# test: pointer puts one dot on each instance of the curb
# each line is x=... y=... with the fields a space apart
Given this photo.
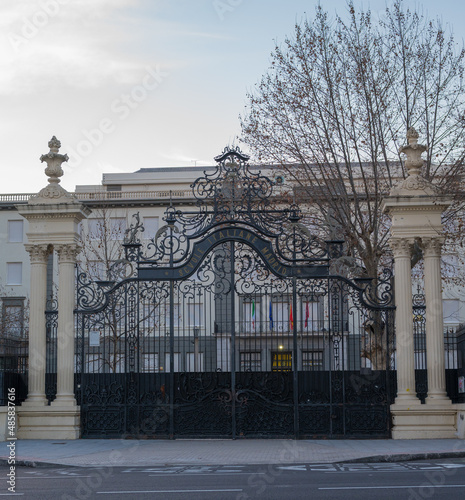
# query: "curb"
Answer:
x=24 y=463
x=371 y=459
x=407 y=457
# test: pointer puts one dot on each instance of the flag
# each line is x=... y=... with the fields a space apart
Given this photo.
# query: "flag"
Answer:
x=271 y=316
x=291 y=317
x=307 y=315
x=253 y=314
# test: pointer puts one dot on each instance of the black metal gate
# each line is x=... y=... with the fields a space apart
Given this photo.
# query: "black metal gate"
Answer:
x=229 y=323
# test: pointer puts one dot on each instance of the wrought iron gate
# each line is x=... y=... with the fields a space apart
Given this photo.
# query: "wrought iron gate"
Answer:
x=229 y=323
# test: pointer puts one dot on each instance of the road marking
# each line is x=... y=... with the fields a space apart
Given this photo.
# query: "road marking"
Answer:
x=49 y=477
x=294 y=467
x=165 y=491
x=209 y=474
x=393 y=487
x=371 y=471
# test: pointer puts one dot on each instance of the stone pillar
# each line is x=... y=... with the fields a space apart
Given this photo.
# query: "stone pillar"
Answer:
x=405 y=360
x=415 y=206
x=53 y=215
x=65 y=333
x=37 y=331
x=435 y=362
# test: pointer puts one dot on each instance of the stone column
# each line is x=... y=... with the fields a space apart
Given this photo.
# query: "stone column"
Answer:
x=415 y=206
x=435 y=362
x=53 y=215
x=405 y=360
x=65 y=333
x=37 y=331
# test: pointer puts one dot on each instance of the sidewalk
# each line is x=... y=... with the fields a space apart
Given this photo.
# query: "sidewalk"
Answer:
x=115 y=452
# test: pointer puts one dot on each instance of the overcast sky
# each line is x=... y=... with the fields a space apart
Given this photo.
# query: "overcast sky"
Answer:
x=126 y=84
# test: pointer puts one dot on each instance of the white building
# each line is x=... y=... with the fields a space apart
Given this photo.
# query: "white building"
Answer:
x=148 y=191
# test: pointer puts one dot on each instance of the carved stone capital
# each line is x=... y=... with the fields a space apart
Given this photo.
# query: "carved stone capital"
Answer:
x=432 y=246
x=401 y=247
x=38 y=253
x=67 y=253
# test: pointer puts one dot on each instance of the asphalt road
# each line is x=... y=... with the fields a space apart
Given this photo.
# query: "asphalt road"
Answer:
x=438 y=479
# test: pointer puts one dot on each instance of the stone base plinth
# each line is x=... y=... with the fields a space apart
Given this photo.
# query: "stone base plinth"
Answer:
x=460 y=421
x=5 y=423
x=49 y=422
x=424 y=421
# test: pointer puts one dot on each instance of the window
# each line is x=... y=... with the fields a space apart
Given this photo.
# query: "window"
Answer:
x=251 y=361
x=15 y=231
x=115 y=363
x=12 y=317
x=193 y=364
x=14 y=273
x=96 y=228
x=450 y=309
x=251 y=316
x=149 y=363
x=150 y=227
x=281 y=361
x=176 y=316
x=93 y=363
x=310 y=312
x=281 y=314
x=97 y=270
x=312 y=360
x=117 y=228
x=449 y=265
x=152 y=316
x=175 y=362
x=194 y=314
x=113 y=228
x=186 y=315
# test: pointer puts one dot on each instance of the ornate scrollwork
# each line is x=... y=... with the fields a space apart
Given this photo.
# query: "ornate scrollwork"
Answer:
x=89 y=295
x=235 y=196
x=218 y=340
x=378 y=292
x=131 y=233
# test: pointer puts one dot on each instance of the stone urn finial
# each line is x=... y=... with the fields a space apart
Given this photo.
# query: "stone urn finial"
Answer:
x=54 y=161
x=415 y=183
x=413 y=151
x=412 y=136
x=54 y=144
x=53 y=193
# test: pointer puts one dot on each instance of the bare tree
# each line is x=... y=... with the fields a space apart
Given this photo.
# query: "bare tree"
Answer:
x=102 y=247
x=334 y=108
x=103 y=259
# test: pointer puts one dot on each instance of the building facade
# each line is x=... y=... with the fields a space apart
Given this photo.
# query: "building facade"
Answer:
x=236 y=311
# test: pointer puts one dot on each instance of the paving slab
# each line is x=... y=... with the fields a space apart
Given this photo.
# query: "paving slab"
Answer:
x=117 y=452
